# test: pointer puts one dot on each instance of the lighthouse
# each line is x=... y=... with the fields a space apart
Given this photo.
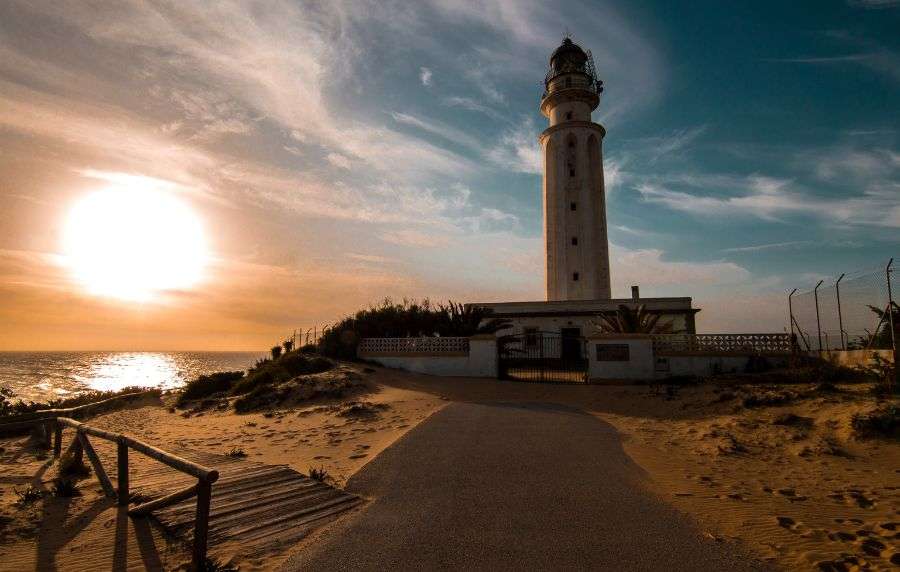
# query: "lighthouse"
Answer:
x=574 y=196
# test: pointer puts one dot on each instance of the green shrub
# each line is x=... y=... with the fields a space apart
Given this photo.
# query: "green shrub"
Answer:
x=28 y=496
x=319 y=474
x=308 y=349
x=207 y=385
x=269 y=375
x=274 y=372
x=407 y=319
x=792 y=420
x=8 y=407
x=65 y=488
x=881 y=422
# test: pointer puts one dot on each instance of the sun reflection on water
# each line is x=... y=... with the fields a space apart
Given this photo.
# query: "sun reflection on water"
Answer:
x=119 y=370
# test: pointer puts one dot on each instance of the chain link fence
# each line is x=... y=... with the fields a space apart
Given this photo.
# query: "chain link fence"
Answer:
x=850 y=312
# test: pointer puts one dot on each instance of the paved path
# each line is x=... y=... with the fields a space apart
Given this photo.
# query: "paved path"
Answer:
x=511 y=486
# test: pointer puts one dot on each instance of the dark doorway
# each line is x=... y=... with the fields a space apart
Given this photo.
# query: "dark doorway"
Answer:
x=572 y=343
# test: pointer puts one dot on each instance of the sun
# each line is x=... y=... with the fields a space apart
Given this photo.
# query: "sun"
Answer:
x=134 y=243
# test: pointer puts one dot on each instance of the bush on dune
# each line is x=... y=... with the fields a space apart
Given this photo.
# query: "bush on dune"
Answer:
x=207 y=385
x=881 y=422
x=407 y=319
x=278 y=371
x=8 y=407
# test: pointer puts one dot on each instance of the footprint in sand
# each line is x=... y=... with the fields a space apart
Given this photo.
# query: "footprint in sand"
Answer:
x=873 y=547
x=359 y=456
x=786 y=522
x=841 y=536
x=320 y=457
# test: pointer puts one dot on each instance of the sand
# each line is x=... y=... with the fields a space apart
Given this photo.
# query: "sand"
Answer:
x=808 y=495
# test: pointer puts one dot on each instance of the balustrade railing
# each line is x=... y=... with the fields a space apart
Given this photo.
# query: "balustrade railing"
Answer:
x=414 y=346
x=736 y=344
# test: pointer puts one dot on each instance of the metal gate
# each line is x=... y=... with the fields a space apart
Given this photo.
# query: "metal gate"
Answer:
x=543 y=357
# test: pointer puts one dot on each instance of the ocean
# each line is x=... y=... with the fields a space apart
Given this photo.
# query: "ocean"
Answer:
x=40 y=376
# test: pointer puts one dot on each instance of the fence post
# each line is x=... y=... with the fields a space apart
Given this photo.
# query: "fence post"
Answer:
x=888 y=269
x=57 y=441
x=837 y=287
x=791 y=309
x=122 y=460
x=201 y=524
x=818 y=323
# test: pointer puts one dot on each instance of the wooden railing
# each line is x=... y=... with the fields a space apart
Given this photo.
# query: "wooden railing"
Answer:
x=413 y=346
x=81 y=445
x=734 y=344
x=52 y=422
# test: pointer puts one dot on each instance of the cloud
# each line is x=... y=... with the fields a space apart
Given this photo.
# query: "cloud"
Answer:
x=442 y=130
x=874 y=4
x=770 y=198
x=338 y=160
x=425 y=76
x=518 y=149
x=471 y=105
x=770 y=246
x=648 y=268
x=664 y=146
x=409 y=237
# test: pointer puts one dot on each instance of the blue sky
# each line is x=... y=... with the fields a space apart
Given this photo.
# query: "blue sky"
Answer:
x=342 y=152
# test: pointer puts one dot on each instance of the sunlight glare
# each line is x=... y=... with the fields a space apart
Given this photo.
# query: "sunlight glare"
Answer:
x=134 y=243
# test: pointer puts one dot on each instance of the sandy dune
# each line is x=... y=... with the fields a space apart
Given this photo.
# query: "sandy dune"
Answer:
x=803 y=493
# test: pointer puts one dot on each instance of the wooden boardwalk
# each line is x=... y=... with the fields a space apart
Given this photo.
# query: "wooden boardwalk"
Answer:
x=263 y=507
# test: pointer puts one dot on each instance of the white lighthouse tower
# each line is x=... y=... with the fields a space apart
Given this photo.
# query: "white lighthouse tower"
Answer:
x=574 y=196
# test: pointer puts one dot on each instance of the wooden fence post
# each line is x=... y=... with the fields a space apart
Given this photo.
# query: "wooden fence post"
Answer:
x=122 y=458
x=201 y=524
x=57 y=441
x=98 y=466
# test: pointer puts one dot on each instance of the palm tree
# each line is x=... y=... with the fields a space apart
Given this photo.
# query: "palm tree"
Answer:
x=462 y=320
x=628 y=320
x=882 y=336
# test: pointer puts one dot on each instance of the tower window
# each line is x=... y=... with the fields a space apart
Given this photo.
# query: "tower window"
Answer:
x=569 y=116
x=573 y=206
x=574 y=241
x=571 y=171
x=571 y=141
x=575 y=276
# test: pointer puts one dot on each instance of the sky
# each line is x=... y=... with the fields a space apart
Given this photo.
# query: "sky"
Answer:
x=337 y=153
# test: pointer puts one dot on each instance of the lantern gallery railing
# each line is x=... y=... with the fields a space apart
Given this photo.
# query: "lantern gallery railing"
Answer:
x=437 y=346
x=731 y=344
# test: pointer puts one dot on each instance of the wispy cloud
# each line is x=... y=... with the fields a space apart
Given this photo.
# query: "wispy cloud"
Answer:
x=770 y=246
x=761 y=198
x=425 y=76
x=440 y=129
x=874 y=4
x=518 y=149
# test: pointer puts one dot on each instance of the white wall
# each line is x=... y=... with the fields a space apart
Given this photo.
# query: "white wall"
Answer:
x=644 y=364
x=481 y=361
x=640 y=364
x=851 y=358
